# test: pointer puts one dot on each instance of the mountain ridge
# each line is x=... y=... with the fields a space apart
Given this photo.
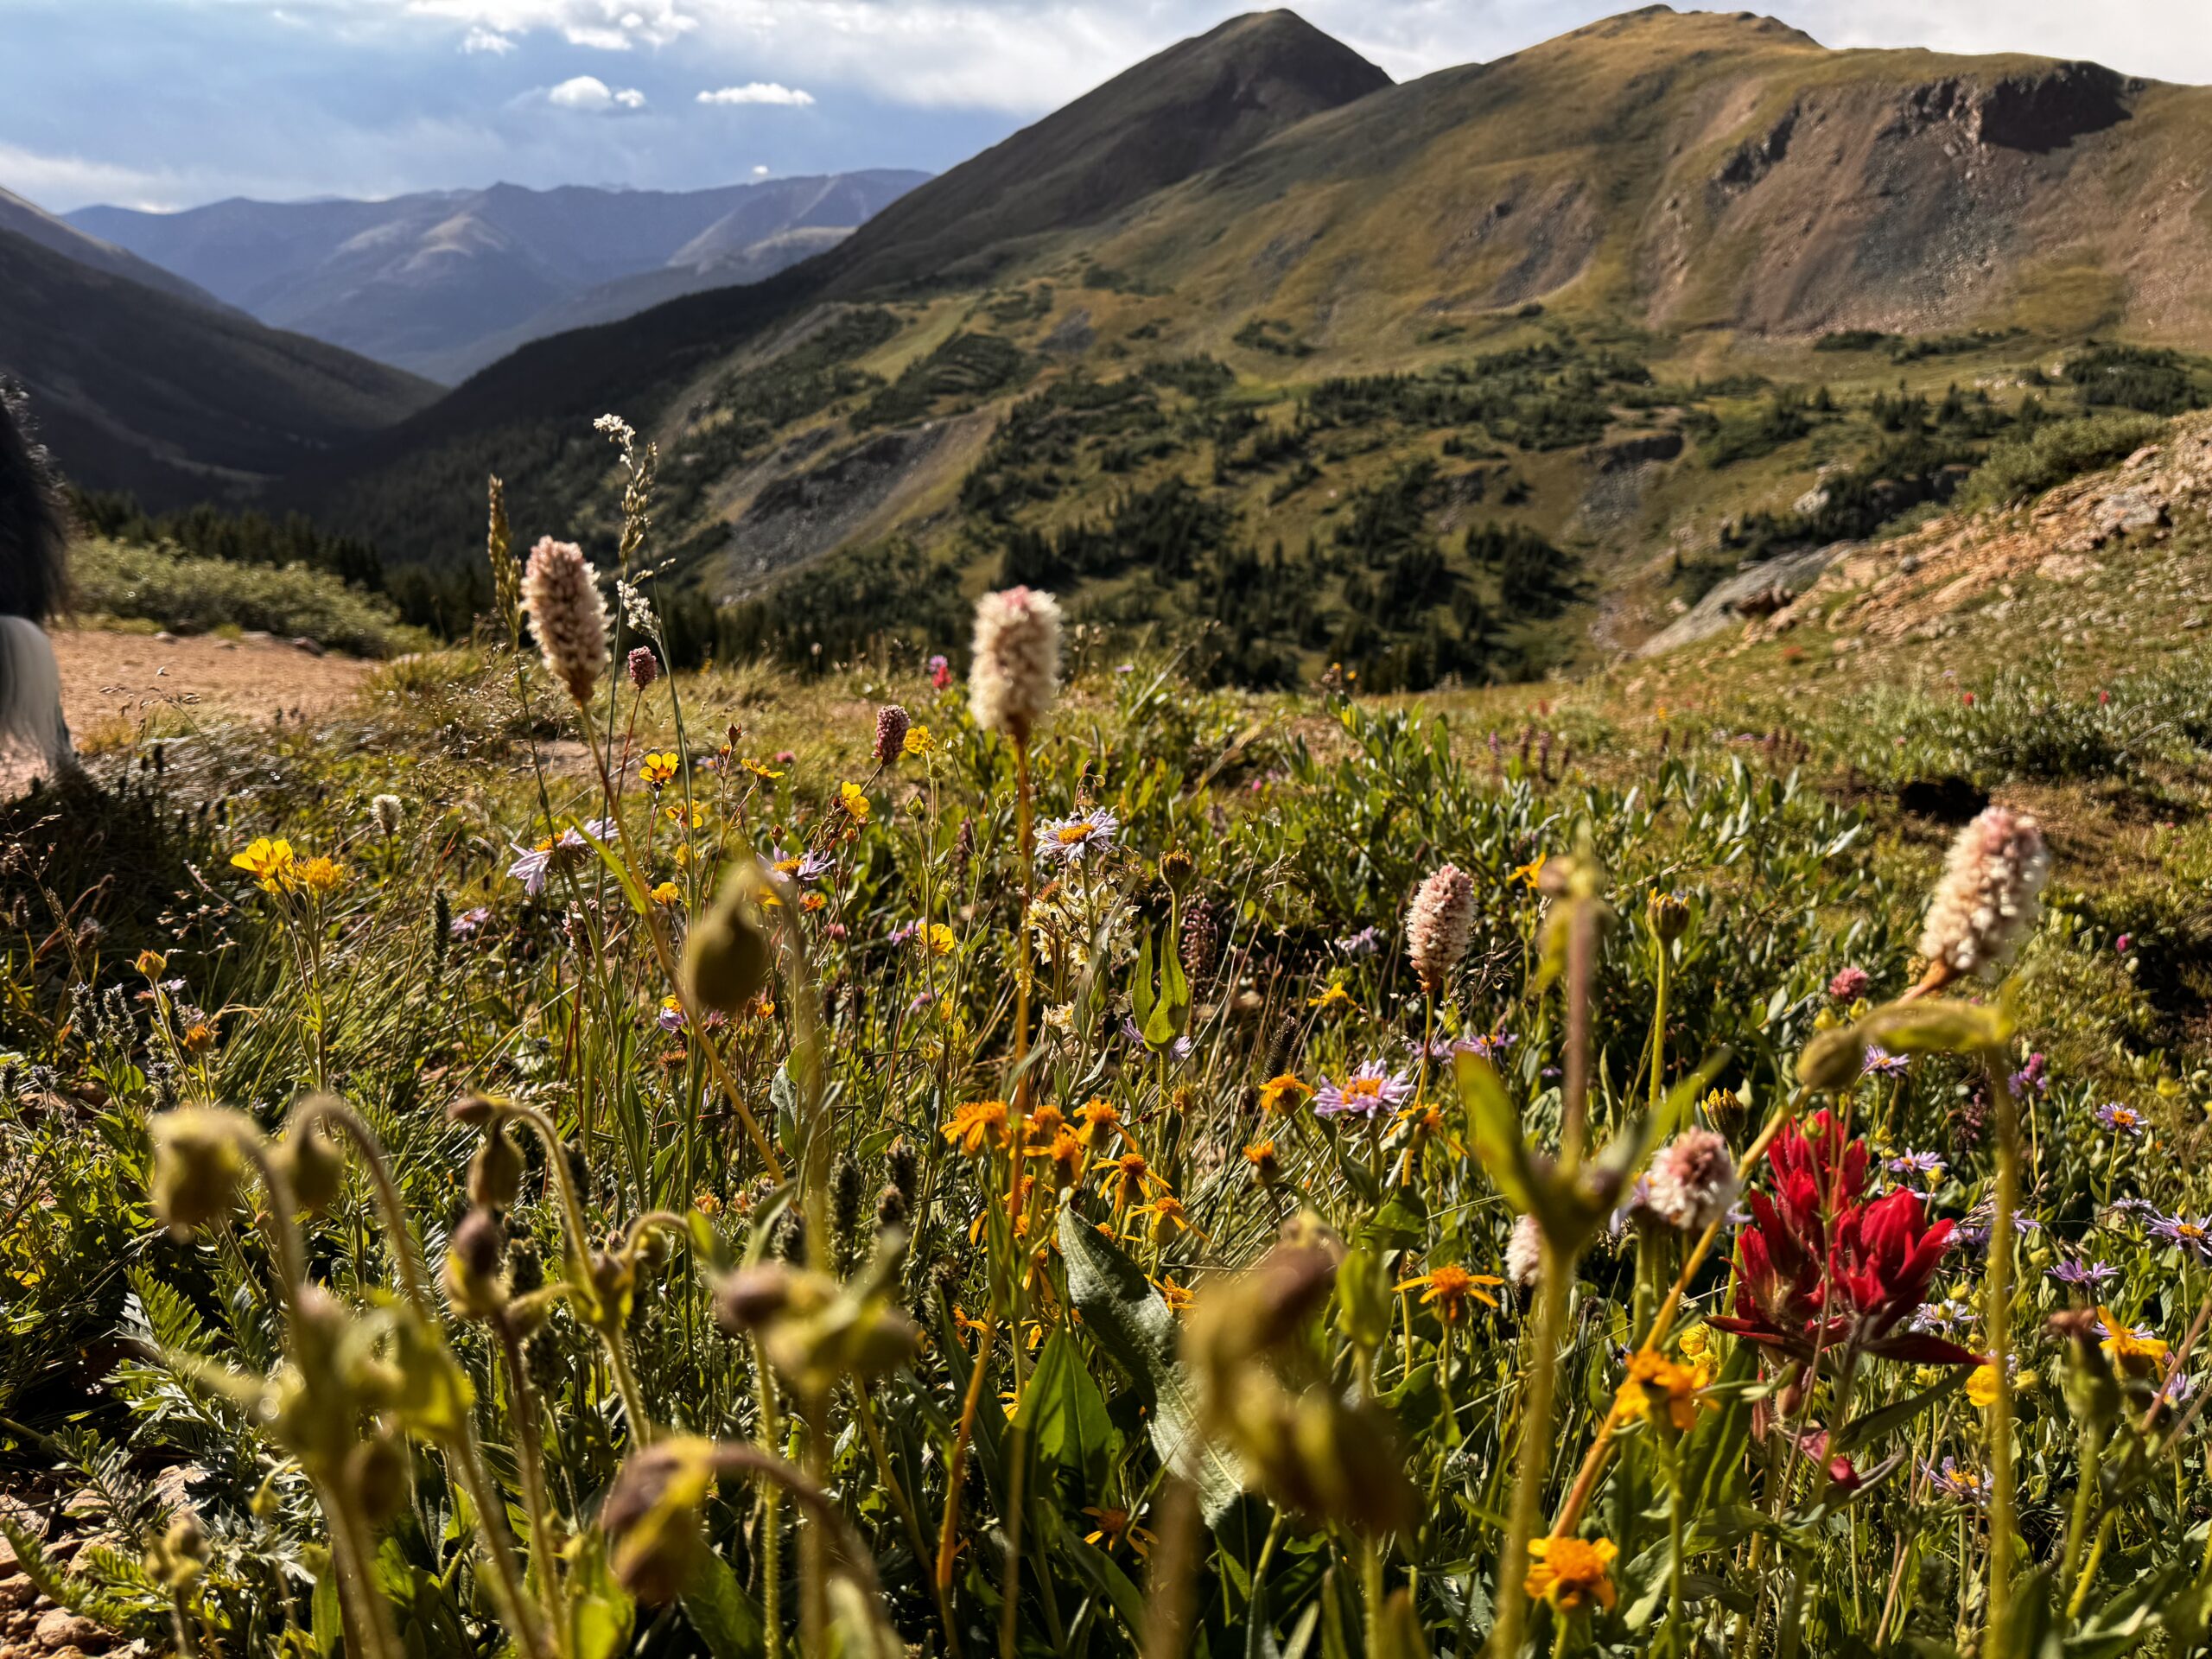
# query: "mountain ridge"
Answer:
x=442 y=282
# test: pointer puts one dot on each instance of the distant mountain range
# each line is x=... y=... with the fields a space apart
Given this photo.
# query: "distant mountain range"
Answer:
x=443 y=282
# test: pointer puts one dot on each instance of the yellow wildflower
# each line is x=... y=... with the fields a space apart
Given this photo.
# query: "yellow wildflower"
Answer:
x=318 y=875
x=941 y=939
x=667 y=893
x=978 y=1126
x=853 y=799
x=1570 y=1573
x=1449 y=1289
x=1527 y=875
x=268 y=862
x=761 y=770
x=1335 y=1000
x=919 y=741
x=1283 y=1093
x=2137 y=1355
x=1115 y=1526
x=1981 y=1386
x=1656 y=1383
x=659 y=769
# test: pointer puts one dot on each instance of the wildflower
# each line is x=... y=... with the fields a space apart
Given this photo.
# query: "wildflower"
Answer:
x=1367 y=941
x=917 y=740
x=1426 y=1123
x=667 y=893
x=1440 y=924
x=891 y=725
x=2078 y=1271
x=531 y=867
x=1043 y=1124
x=560 y=596
x=1880 y=1062
x=692 y=817
x=320 y=876
x=1982 y=1384
x=1693 y=1180
x=1266 y=1167
x=1529 y=874
x=977 y=1127
x=386 y=812
x=1097 y=1121
x=2136 y=1352
x=1016 y=670
x=269 y=862
x=659 y=769
x=1928 y=1166
x=1067 y=1156
x=1335 y=1000
x=1169 y=1217
x=1283 y=1093
x=643 y=667
x=1115 y=1526
x=1131 y=1176
x=1697 y=1343
x=2195 y=1236
x=1571 y=1572
x=1491 y=1047
x=2121 y=1120
x=853 y=799
x=1849 y=984
x=151 y=963
x=670 y=1017
x=1963 y=1485
x=1449 y=1288
x=940 y=674
x=760 y=769
x=1524 y=1252
x=1068 y=840
x=1823 y=1269
x=1177 y=1297
x=1368 y=1092
x=465 y=924
x=941 y=939
x=1986 y=903
x=1657 y=1384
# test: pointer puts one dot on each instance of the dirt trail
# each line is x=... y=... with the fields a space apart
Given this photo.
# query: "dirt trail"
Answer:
x=113 y=683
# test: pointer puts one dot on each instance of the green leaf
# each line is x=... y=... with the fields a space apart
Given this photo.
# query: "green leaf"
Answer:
x=1496 y=1131
x=1875 y=1425
x=1125 y=1315
x=1106 y=1576
x=1140 y=984
x=602 y=1612
x=327 y=1617
x=1067 y=1416
x=721 y=1615
x=619 y=866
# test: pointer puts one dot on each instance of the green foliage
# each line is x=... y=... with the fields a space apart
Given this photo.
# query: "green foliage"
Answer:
x=966 y=367
x=2054 y=451
x=2157 y=380
x=198 y=594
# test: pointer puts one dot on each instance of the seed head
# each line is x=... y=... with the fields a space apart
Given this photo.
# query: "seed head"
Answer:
x=388 y=810
x=1693 y=1180
x=1440 y=925
x=1986 y=904
x=1016 y=672
x=560 y=594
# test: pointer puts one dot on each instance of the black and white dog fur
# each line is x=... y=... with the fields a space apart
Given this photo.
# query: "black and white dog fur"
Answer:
x=34 y=575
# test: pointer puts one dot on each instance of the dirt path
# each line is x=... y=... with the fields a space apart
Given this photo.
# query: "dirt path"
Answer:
x=113 y=683
x=108 y=678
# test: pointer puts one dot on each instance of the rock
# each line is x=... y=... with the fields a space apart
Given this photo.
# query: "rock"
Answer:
x=15 y=1592
x=165 y=638
x=2066 y=567
x=63 y=1629
x=306 y=644
x=227 y=645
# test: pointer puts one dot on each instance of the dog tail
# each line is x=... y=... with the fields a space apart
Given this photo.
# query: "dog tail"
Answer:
x=30 y=694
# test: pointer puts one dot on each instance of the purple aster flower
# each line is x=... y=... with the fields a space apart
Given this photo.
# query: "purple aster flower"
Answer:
x=1880 y=1062
x=905 y=934
x=1965 y=1486
x=815 y=866
x=1928 y=1166
x=2131 y=1209
x=2079 y=1271
x=1974 y=1231
x=1945 y=1318
x=1369 y=1091
x=2033 y=1077
x=1367 y=941
x=467 y=924
x=533 y=863
x=2193 y=1235
x=1491 y=1047
x=671 y=1015
x=1068 y=841
x=2121 y=1120
x=1178 y=1051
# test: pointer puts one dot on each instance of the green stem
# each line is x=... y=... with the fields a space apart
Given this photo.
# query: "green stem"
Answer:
x=1997 y=1311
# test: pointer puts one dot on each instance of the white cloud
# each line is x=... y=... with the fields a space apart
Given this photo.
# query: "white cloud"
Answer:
x=600 y=40
x=488 y=39
x=61 y=183
x=759 y=92
x=761 y=172
x=589 y=93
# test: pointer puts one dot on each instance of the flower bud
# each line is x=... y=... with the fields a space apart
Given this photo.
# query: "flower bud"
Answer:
x=376 y=1478
x=652 y=1517
x=495 y=1172
x=1831 y=1062
x=473 y=1110
x=177 y=1557
x=316 y=1168
x=891 y=724
x=475 y=1257
x=1176 y=868
x=198 y=1165
x=1670 y=916
x=727 y=958
x=643 y=667
x=752 y=1296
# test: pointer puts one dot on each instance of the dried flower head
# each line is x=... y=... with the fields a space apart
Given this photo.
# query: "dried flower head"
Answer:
x=387 y=810
x=1986 y=904
x=1440 y=924
x=1016 y=672
x=891 y=724
x=560 y=594
x=1693 y=1180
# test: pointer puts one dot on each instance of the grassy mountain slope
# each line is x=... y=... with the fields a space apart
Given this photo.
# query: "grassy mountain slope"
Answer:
x=1456 y=377
x=135 y=389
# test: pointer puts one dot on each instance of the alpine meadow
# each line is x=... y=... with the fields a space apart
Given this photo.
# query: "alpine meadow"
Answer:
x=1319 y=868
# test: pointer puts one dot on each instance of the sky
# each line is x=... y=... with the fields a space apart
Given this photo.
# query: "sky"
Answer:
x=170 y=103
